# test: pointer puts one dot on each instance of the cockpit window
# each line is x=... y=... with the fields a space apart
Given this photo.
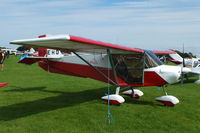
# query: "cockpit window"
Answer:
x=129 y=67
x=151 y=60
x=195 y=63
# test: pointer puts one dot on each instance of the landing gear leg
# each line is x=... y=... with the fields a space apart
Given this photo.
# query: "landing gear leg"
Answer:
x=117 y=90
x=132 y=94
x=164 y=90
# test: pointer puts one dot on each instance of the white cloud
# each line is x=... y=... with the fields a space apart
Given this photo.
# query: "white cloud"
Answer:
x=141 y=4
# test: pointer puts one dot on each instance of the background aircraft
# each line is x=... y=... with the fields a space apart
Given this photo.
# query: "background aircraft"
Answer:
x=191 y=63
x=110 y=63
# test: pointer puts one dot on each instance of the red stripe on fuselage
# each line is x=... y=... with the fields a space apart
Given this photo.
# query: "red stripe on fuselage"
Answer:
x=80 y=70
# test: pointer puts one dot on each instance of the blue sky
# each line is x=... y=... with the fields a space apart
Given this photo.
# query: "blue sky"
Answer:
x=149 y=24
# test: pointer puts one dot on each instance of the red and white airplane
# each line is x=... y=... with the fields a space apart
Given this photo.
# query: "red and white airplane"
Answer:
x=110 y=63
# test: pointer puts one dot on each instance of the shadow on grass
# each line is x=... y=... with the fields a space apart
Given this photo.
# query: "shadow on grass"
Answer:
x=65 y=99
x=139 y=101
x=186 y=81
x=19 y=89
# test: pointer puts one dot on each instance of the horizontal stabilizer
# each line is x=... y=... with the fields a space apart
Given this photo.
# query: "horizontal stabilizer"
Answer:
x=33 y=59
x=29 y=61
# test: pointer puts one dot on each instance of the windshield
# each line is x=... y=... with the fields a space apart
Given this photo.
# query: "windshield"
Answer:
x=195 y=63
x=151 y=60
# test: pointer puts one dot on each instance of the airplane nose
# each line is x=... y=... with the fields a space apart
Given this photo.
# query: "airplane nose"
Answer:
x=171 y=74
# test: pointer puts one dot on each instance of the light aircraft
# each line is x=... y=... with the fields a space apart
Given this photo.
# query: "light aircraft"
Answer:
x=11 y=51
x=31 y=52
x=191 y=63
x=110 y=63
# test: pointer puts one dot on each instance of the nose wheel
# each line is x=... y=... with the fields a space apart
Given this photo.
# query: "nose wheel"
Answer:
x=167 y=100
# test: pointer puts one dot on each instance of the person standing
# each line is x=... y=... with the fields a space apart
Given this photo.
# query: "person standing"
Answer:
x=2 y=58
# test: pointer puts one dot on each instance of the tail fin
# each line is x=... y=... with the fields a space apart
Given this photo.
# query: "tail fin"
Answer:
x=31 y=50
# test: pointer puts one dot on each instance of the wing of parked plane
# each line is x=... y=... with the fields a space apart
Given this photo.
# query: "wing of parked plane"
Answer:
x=164 y=52
x=170 y=55
x=75 y=43
x=113 y=64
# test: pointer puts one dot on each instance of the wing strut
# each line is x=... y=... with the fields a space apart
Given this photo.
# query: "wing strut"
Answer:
x=96 y=69
x=112 y=65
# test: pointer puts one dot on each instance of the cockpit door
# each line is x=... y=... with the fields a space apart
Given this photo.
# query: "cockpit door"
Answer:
x=129 y=67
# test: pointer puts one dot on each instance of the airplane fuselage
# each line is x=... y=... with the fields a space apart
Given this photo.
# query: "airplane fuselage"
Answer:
x=72 y=65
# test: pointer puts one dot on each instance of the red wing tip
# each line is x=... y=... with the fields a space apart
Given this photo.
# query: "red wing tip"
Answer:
x=3 y=84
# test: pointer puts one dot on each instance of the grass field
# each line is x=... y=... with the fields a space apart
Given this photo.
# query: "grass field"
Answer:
x=36 y=101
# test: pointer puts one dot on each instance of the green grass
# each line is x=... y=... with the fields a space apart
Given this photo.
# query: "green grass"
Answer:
x=36 y=101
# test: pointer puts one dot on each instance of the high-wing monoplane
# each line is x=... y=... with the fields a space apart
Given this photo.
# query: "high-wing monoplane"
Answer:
x=191 y=63
x=110 y=63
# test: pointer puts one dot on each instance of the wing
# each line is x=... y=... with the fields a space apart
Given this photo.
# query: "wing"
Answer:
x=171 y=56
x=164 y=52
x=75 y=43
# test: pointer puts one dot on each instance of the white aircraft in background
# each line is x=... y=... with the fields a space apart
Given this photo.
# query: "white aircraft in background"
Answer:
x=31 y=52
x=191 y=63
x=11 y=51
x=110 y=63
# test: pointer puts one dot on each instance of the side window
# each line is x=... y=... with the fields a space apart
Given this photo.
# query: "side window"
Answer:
x=195 y=63
x=49 y=52
x=129 y=67
x=57 y=52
